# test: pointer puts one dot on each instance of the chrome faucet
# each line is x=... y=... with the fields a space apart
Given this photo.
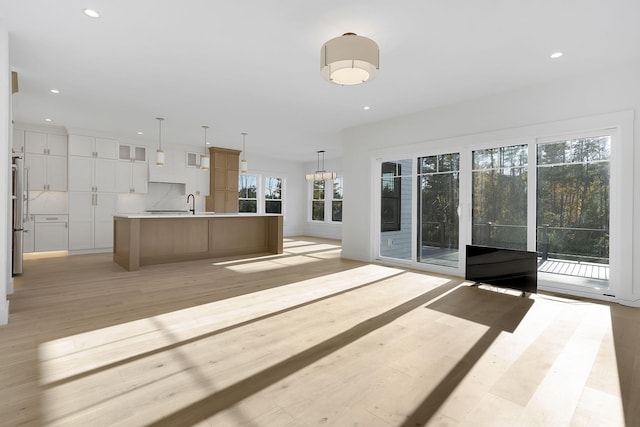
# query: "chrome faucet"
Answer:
x=193 y=203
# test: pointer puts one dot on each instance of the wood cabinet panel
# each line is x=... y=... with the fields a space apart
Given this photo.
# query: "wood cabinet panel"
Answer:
x=223 y=183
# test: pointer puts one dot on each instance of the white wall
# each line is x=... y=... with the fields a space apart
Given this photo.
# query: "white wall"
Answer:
x=328 y=230
x=294 y=188
x=5 y=173
x=601 y=92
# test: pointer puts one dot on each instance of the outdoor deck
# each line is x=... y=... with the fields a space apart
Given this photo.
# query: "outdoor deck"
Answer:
x=585 y=270
x=574 y=268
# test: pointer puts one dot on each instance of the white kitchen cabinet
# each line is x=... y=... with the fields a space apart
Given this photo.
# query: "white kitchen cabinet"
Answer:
x=45 y=143
x=131 y=177
x=132 y=153
x=28 y=242
x=91 y=220
x=18 y=141
x=89 y=146
x=46 y=172
x=92 y=174
x=46 y=160
x=51 y=233
x=197 y=181
x=131 y=170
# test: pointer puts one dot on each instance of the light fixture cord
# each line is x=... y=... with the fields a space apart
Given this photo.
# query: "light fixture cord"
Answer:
x=160 y=119
x=205 y=139
x=243 y=145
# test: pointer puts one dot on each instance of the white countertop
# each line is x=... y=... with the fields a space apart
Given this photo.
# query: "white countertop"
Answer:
x=188 y=215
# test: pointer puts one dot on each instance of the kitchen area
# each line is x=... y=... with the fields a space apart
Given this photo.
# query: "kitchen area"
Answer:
x=75 y=186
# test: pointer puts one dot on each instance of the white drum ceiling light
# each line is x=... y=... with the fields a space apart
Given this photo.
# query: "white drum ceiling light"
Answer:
x=349 y=59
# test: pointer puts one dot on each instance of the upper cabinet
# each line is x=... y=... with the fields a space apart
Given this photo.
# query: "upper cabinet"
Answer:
x=132 y=169
x=89 y=146
x=132 y=153
x=45 y=143
x=92 y=164
x=197 y=179
x=46 y=161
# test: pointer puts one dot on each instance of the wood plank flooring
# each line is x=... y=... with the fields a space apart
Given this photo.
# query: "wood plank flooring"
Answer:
x=306 y=339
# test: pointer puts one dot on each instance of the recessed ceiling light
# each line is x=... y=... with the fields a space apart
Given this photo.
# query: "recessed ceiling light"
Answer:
x=208 y=143
x=366 y=107
x=91 y=13
x=54 y=91
x=556 y=55
x=139 y=133
x=47 y=120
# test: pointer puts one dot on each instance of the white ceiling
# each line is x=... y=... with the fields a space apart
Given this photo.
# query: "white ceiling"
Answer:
x=254 y=66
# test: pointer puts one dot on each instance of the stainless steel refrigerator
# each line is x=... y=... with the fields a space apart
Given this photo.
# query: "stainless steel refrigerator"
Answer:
x=17 y=199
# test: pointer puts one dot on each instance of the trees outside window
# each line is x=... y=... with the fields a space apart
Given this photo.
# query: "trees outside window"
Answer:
x=573 y=199
x=317 y=202
x=336 y=200
x=273 y=195
x=499 y=197
x=247 y=194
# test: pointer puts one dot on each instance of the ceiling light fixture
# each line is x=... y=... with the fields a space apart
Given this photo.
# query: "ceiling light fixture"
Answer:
x=139 y=133
x=244 y=166
x=349 y=59
x=48 y=120
x=204 y=159
x=159 y=151
x=54 y=91
x=556 y=55
x=91 y=13
x=366 y=107
x=320 y=174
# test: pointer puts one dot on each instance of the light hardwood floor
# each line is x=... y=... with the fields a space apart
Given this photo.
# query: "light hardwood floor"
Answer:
x=306 y=339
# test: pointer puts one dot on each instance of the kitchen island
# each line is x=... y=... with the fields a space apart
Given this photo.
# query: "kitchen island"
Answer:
x=147 y=239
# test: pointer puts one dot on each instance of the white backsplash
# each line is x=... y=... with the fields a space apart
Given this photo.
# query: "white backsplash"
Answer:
x=160 y=196
x=165 y=196
x=47 y=202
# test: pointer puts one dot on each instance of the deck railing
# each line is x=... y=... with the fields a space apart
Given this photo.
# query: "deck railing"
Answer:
x=568 y=243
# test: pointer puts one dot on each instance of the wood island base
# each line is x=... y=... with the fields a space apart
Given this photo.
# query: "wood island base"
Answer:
x=140 y=240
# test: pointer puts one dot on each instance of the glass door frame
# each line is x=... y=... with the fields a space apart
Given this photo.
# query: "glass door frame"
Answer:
x=462 y=207
x=621 y=126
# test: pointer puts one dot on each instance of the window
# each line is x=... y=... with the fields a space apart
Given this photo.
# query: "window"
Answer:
x=336 y=201
x=247 y=194
x=317 y=202
x=499 y=216
x=438 y=199
x=573 y=205
x=273 y=195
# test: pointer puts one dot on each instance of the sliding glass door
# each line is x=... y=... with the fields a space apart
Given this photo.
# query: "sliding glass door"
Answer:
x=499 y=197
x=438 y=207
x=551 y=196
x=395 y=209
x=573 y=210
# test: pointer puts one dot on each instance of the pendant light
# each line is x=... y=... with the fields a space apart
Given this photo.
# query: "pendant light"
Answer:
x=159 y=151
x=244 y=166
x=204 y=159
x=320 y=174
